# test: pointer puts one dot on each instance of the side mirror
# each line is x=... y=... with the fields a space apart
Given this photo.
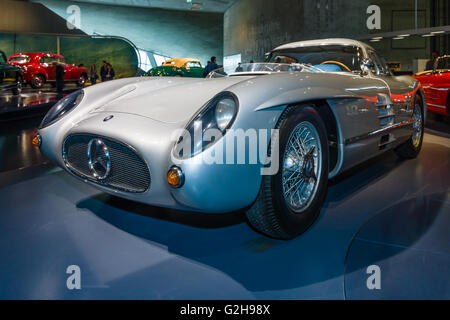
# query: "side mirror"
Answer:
x=366 y=66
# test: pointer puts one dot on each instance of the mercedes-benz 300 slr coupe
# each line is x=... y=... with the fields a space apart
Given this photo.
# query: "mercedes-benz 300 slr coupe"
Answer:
x=262 y=138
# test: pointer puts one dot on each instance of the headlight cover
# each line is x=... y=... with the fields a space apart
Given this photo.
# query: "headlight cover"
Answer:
x=218 y=114
x=61 y=108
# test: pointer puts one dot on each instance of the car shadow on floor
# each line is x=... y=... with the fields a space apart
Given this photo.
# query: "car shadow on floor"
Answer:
x=259 y=263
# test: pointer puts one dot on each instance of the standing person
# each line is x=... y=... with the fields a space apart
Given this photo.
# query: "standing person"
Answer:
x=213 y=65
x=59 y=77
x=430 y=63
x=103 y=71
x=251 y=66
x=93 y=74
x=239 y=68
x=109 y=72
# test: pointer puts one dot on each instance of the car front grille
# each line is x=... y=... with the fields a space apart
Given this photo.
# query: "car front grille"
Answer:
x=127 y=170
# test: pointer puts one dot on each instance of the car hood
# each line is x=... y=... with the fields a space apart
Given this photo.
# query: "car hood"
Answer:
x=169 y=100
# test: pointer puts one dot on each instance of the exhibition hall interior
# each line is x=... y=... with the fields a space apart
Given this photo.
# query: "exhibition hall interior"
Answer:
x=224 y=149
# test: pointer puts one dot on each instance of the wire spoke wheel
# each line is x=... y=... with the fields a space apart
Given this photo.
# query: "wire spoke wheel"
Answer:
x=417 y=126
x=302 y=164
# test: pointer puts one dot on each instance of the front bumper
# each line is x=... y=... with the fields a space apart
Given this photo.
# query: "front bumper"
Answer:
x=207 y=188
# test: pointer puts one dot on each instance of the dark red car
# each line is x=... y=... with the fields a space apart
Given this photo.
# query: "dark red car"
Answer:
x=38 y=69
x=436 y=84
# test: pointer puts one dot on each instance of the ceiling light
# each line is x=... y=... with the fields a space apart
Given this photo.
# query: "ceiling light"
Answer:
x=438 y=32
x=428 y=35
x=398 y=38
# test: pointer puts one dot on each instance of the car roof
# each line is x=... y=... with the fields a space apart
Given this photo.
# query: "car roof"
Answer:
x=33 y=54
x=179 y=62
x=324 y=42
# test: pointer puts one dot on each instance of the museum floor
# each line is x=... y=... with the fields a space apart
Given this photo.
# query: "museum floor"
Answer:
x=387 y=212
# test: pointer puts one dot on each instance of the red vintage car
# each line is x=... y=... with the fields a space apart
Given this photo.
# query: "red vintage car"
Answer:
x=436 y=84
x=38 y=69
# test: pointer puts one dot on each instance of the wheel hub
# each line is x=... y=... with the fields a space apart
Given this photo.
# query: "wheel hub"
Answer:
x=308 y=166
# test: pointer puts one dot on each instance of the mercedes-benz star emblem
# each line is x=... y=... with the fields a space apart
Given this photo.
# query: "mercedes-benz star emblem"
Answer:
x=99 y=160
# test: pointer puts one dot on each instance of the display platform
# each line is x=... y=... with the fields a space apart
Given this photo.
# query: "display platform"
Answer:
x=387 y=212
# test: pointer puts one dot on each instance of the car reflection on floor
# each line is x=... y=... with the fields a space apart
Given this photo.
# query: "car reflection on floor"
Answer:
x=31 y=98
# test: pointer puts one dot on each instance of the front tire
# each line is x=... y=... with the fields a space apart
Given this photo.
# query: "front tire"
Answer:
x=411 y=148
x=290 y=201
x=19 y=86
x=38 y=81
x=82 y=80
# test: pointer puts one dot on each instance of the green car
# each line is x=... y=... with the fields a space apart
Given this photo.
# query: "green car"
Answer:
x=10 y=76
x=179 y=67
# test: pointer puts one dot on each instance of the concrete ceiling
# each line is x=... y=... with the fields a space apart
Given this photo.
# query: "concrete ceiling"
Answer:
x=202 y=5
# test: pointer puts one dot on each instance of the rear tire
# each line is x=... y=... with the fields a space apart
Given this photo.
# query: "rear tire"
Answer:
x=290 y=201
x=411 y=148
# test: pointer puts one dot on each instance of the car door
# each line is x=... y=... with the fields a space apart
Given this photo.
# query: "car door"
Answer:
x=436 y=86
x=69 y=70
x=47 y=63
x=194 y=69
x=401 y=90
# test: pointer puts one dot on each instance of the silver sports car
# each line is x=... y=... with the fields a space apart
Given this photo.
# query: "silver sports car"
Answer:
x=264 y=138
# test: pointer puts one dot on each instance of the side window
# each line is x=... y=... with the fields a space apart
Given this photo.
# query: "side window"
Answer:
x=48 y=60
x=193 y=64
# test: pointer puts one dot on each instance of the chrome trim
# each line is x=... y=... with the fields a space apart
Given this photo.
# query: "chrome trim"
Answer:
x=437 y=106
x=379 y=132
x=94 y=147
x=81 y=175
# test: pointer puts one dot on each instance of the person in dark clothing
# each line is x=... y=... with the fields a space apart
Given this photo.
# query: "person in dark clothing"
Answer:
x=103 y=71
x=93 y=74
x=59 y=77
x=430 y=63
x=239 y=68
x=109 y=72
x=211 y=67
x=206 y=69
x=250 y=67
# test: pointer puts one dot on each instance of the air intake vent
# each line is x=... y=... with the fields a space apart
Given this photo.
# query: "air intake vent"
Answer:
x=106 y=162
x=385 y=111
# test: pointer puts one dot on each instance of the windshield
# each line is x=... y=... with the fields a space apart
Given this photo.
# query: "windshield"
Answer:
x=335 y=58
x=243 y=69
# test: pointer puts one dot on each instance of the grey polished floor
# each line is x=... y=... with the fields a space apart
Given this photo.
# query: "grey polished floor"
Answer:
x=389 y=213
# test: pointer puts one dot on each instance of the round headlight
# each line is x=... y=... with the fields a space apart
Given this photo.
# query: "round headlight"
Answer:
x=225 y=111
x=61 y=108
x=217 y=115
